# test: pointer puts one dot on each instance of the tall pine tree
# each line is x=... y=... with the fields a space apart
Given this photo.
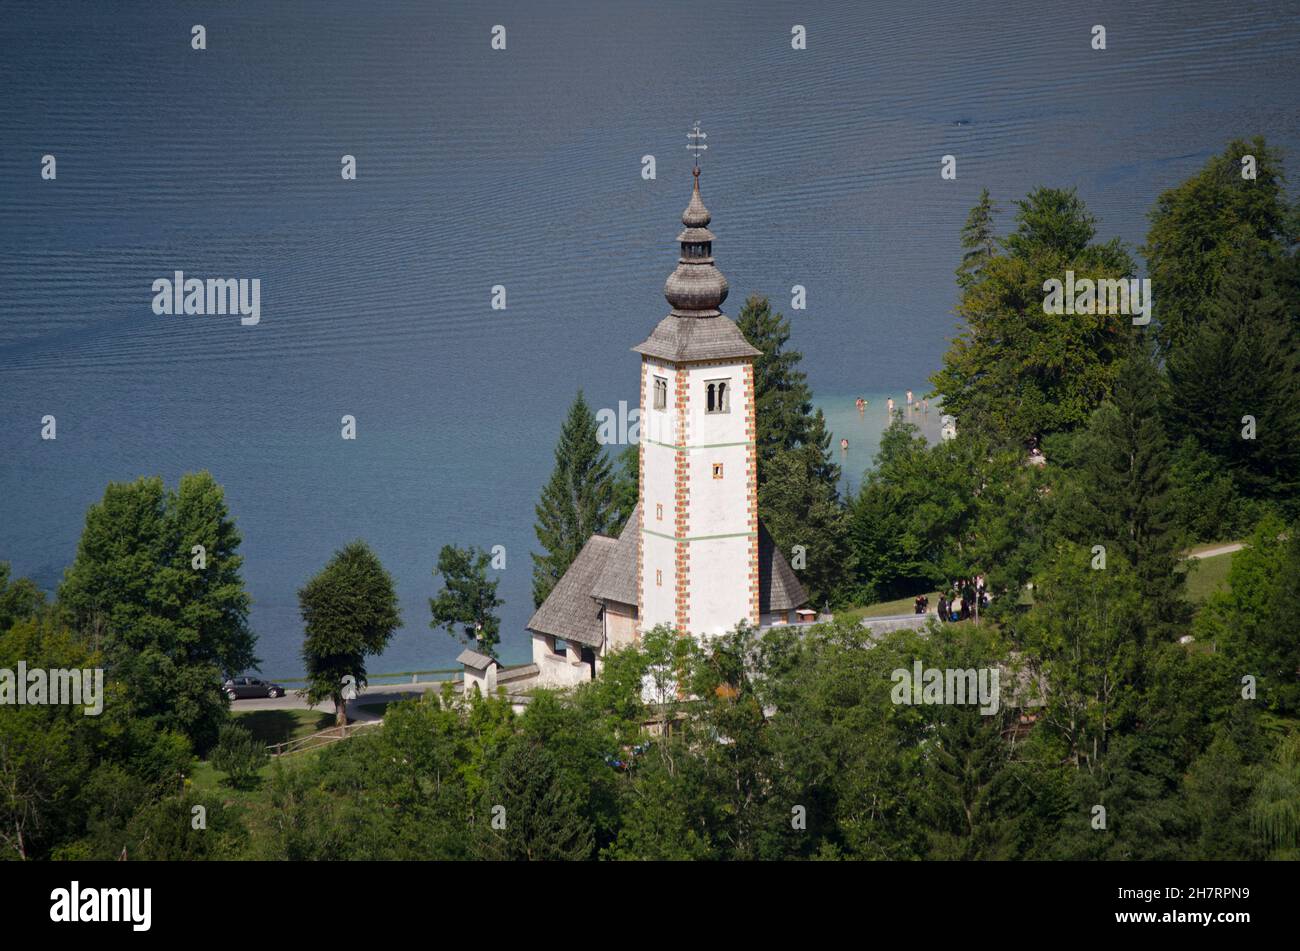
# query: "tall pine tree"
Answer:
x=1119 y=496
x=978 y=240
x=577 y=501
x=1240 y=360
x=782 y=399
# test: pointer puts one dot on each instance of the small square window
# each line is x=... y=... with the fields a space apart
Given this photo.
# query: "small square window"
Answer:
x=661 y=393
x=717 y=470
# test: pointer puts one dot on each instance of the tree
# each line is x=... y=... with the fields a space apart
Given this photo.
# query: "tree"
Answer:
x=1119 y=494
x=467 y=597
x=536 y=815
x=627 y=484
x=1235 y=381
x=172 y=619
x=19 y=599
x=1017 y=374
x=576 y=502
x=1199 y=227
x=979 y=240
x=349 y=611
x=800 y=509
x=782 y=399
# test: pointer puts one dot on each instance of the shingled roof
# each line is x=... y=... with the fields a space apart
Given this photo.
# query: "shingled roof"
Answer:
x=778 y=587
x=475 y=660
x=617 y=582
x=680 y=339
x=569 y=611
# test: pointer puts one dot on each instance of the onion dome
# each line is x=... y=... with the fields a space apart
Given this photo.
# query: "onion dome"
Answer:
x=696 y=288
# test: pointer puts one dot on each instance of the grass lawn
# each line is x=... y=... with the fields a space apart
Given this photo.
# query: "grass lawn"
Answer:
x=888 y=608
x=281 y=726
x=1207 y=575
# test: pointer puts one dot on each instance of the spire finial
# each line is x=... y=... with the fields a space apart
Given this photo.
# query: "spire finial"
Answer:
x=696 y=145
x=697 y=288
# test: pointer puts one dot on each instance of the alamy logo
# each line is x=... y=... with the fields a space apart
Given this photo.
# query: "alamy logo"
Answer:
x=951 y=686
x=217 y=296
x=54 y=687
x=103 y=904
x=1102 y=296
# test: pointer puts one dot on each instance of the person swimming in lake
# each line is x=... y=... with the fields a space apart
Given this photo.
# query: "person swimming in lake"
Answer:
x=862 y=405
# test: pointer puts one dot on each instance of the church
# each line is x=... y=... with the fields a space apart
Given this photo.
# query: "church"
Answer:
x=694 y=554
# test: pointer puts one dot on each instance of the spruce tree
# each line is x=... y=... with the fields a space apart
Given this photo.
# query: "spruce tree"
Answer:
x=1120 y=494
x=1240 y=360
x=978 y=240
x=782 y=399
x=1198 y=226
x=531 y=814
x=577 y=502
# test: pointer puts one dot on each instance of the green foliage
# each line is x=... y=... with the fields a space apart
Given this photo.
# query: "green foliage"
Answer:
x=798 y=508
x=467 y=598
x=577 y=501
x=168 y=629
x=627 y=483
x=349 y=611
x=530 y=813
x=19 y=599
x=1254 y=624
x=1118 y=491
x=978 y=239
x=1017 y=373
x=782 y=399
x=1240 y=359
x=64 y=774
x=1199 y=228
x=239 y=756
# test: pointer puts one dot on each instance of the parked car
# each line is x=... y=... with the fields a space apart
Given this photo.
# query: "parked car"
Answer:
x=242 y=688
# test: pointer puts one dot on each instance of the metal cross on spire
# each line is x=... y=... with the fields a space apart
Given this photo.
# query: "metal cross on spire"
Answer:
x=696 y=144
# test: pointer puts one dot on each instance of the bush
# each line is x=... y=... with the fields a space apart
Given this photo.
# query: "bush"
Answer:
x=239 y=756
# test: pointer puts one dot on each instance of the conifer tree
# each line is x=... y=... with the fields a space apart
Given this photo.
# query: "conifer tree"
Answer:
x=577 y=502
x=1120 y=494
x=978 y=239
x=531 y=815
x=1241 y=360
x=782 y=399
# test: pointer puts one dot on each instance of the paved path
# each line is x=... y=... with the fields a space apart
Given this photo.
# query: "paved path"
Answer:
x=382 y=693
x=1221 y=550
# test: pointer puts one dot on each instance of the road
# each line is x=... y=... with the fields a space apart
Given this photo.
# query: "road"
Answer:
x=383 y=693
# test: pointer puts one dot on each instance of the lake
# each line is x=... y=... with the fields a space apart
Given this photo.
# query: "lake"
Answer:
x=522 y=168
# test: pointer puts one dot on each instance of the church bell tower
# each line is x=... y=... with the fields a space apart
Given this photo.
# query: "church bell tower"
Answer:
x=698 y=549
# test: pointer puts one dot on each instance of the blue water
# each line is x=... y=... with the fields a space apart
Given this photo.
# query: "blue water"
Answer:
x=519 y=168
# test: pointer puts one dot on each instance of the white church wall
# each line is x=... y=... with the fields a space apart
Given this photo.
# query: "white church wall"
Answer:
x=659 y=593
x=724 y=599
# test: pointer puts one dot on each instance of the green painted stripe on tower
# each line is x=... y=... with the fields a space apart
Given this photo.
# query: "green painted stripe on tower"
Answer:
x=712 y=445
x=698 y=538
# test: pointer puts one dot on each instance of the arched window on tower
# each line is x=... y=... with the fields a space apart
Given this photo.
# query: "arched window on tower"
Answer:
x=717 y=396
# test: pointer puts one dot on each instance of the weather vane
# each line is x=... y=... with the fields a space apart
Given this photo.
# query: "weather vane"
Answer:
x=696 y=144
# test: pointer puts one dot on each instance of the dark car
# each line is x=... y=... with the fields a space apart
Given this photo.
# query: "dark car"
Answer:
x=242 y=688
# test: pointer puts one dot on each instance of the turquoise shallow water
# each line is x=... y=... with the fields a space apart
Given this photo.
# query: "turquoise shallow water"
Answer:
x=520 y=168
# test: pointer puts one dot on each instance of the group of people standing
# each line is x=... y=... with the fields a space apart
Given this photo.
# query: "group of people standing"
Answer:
x=966 y=597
